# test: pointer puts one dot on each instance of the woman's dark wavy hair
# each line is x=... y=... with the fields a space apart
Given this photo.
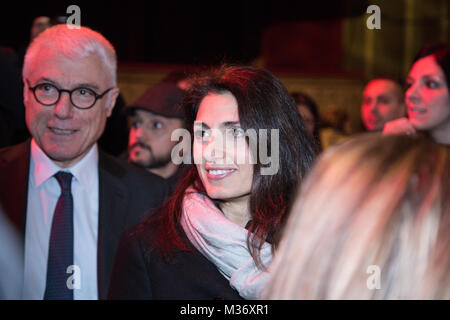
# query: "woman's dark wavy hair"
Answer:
x=263 y=103
x=441 y=52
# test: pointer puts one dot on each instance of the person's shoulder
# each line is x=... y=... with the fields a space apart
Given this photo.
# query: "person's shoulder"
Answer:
x=145 y=191
x=15 y=152
x=133 y=233
x=149 y=233
x=128 y=171
x=141 y=235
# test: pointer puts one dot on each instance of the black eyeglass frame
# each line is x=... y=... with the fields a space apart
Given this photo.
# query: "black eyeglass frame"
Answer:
x=96 y=95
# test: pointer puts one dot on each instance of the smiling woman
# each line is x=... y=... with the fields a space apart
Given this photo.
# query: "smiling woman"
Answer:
x=215 y=236
x=222 y=175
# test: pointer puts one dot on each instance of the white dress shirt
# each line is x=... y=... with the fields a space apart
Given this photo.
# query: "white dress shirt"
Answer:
x=43 y=194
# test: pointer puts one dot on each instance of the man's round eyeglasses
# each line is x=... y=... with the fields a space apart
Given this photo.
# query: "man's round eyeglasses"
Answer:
x=48 y=94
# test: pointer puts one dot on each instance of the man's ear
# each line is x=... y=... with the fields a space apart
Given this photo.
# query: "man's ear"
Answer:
x=112 y=102
x=26 y=90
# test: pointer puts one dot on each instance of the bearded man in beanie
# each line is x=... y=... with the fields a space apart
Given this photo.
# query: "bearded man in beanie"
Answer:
x=154 y=116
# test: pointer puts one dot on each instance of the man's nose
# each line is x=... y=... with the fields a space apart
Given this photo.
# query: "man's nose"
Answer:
x=64 y=108
x=142 y=133
x=374 y=107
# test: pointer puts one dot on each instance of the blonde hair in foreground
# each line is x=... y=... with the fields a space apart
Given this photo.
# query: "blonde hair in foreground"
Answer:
x=372 y=201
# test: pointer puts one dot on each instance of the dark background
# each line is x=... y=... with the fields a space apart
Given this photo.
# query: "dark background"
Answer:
x=178 y=32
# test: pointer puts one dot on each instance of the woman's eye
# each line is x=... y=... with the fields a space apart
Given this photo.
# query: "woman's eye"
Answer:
x=432 y=84
x=237 y=132
x=202 y=134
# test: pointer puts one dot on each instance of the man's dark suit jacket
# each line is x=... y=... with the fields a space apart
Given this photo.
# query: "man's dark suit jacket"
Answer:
x=126 y=194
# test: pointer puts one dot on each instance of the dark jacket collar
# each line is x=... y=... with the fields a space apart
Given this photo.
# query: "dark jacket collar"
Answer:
x=112 y=206
x=14 y=172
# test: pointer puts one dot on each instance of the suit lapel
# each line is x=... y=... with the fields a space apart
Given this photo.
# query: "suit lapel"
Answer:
x=112 y=219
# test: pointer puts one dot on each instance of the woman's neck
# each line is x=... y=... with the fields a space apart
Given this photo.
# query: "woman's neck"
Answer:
x=237 y=210
x=441 y=134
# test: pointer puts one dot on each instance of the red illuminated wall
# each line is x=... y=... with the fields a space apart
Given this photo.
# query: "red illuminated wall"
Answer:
x=313 y=47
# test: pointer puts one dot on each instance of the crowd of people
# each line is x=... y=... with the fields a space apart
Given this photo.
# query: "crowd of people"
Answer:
x=264 y=208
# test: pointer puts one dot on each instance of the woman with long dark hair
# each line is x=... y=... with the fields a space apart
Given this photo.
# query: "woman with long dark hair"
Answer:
x=214 y=237
x=427 y=97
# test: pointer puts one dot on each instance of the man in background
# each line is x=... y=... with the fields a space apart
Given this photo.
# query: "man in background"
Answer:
x=154 y=116
x=382 y=102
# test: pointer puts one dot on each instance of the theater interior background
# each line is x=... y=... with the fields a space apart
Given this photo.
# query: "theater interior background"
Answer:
x=323 y=48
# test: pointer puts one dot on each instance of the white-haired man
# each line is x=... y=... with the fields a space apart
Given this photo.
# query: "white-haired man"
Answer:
x=70 y=200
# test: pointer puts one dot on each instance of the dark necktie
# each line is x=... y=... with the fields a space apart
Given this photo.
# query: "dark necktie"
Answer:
x=60 y=253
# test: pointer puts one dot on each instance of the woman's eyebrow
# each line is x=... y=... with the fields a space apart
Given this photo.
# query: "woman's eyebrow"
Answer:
x=226 y=124
x=229 y=124
x=424 y=76
x=431 y=76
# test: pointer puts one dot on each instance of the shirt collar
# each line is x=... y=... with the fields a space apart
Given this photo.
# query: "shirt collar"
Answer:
x=45 y=168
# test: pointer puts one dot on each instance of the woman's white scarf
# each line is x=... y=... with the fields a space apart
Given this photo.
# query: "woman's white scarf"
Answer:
x=224 y=243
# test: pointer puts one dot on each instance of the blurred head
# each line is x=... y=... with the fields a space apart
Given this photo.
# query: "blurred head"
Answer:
x=372 y=203
x=427 y=96
x=70 y=59
x=336 y=118
x=39 y=25
x=310 y=114
x=382 y=102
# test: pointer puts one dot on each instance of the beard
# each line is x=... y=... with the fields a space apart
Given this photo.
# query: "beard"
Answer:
x=152 y=162
x=160 y=162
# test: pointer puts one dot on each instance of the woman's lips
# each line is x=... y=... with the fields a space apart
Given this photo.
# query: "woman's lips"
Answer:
x=416 y=109
x=219 y=174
